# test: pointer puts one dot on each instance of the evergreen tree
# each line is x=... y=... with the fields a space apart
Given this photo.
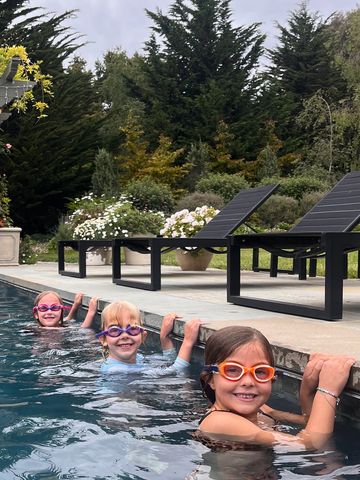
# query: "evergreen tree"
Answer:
x=105 y=179
x=200 y=71
x=301 y=65
x=52 y=158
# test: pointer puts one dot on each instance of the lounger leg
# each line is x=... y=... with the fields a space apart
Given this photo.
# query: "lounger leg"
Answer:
x=333 y=280
x=345 y=263
x=312 y=267
x=274 y=260
x=82 y=259
x=233 y=270
x=255 y=260
x=116 y=260
x=155 y=266
x=61 y=256
x=301 y=268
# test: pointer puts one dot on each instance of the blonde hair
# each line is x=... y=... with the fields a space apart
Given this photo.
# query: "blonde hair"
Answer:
x=114 y=314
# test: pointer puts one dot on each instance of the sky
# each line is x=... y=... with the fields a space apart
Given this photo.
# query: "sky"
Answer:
x=108 y=24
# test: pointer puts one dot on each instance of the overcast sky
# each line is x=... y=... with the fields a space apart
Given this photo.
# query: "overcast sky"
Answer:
x=107 y=24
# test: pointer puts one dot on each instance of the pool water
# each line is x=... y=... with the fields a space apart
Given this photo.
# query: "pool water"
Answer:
x=61 y=420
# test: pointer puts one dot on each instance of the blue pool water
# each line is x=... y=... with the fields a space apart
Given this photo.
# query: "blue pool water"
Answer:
x=59 y=420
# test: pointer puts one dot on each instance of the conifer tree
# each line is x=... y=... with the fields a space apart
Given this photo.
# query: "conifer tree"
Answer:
x=200 y=71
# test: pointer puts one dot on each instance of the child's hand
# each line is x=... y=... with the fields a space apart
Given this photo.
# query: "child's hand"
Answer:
x=78 y=299
x=335 y=372
x=93 y=305
x=167 y=325
x=191 y=330
x=312 y=370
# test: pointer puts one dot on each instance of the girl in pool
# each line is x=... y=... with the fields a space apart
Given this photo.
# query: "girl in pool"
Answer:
x=123 y=333
x=237 y=379
x=49 y=310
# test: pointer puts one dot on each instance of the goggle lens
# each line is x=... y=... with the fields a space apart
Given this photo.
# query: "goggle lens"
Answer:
x=44 y=308
x=234 y=371
x=114 y=331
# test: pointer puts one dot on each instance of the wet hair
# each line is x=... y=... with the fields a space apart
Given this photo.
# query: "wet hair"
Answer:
x=222 y=343
x=114 y=313
x=41 y=295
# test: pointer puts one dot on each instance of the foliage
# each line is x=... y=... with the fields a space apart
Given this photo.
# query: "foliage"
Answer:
x=5 y=219
x=220 y=156
x=308 y=200
x=137 y=161
x=100 y=218
x=27 y=71
x=267 y=161
x=146 y=194
x=199 y=69
x=187 y=224
x=52 y=160
x=196 y=199
x=105 y=179
x=296 y=187
x=223 y=184
x=198 y=158
x=26 y=250
x=278 y=209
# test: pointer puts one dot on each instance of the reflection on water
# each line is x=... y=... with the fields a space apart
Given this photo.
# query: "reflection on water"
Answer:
x=61 y=420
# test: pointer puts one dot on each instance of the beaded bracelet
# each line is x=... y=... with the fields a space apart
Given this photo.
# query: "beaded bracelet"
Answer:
x=327 y=392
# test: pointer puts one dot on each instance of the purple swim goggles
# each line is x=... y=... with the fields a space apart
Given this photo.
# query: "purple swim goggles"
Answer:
x=42 y=307
x=115 y=331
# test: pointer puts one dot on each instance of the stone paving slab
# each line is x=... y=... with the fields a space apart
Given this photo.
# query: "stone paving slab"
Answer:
x=203 y=294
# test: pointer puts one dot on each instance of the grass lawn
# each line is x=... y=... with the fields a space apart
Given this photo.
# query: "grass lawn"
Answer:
x=218 y=261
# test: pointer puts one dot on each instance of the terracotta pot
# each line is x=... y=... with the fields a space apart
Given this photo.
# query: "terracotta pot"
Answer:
x=196 y=261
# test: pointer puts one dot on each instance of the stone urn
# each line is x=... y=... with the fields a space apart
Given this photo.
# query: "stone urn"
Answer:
x=9 y=245
x=197 y=261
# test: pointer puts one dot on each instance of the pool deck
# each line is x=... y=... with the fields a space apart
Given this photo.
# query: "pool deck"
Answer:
x=203 y=294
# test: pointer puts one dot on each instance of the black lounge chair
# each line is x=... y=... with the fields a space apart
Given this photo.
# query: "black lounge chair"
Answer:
x=323 y=231
x=212 y=236
x=337 y=211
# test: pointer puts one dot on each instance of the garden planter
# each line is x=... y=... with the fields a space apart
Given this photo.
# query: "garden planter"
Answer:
x=9 y=245
x=197 y=261
x=135 y=258
x=99 y=256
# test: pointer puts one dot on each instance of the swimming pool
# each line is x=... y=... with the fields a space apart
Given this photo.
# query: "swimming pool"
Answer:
x=59 y=420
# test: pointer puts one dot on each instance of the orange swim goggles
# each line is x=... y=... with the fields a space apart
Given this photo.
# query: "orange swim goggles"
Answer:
x=233 y=371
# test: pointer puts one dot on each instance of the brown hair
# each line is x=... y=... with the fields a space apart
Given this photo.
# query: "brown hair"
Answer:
x=222 y=343
x=41 y=295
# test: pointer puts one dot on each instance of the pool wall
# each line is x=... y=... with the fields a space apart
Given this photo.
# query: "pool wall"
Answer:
x=290 y=360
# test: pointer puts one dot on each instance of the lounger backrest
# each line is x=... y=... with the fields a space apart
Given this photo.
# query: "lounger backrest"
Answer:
x=236 y=212
x=337 y=211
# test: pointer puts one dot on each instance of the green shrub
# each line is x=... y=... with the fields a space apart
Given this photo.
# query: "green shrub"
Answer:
x=5 y=220
x=27 y=253
x=146 y=194
x=277 y=210
x=197 y=199
x=297 y=187
x=308 y=201
x=223 y=184
x=105 y=179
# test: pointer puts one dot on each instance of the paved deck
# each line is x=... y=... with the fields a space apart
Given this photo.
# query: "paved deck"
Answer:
x=203 y=294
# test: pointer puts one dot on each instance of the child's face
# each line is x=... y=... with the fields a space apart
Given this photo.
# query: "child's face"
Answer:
x=124 y=347
x=245 y=396
x=49 y=318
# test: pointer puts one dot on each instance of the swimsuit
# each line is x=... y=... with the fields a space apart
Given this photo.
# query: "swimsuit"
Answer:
x=111 y=365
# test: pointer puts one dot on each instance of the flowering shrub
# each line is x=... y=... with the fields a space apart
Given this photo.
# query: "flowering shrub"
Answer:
x=187 y=224
x=99 y=218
